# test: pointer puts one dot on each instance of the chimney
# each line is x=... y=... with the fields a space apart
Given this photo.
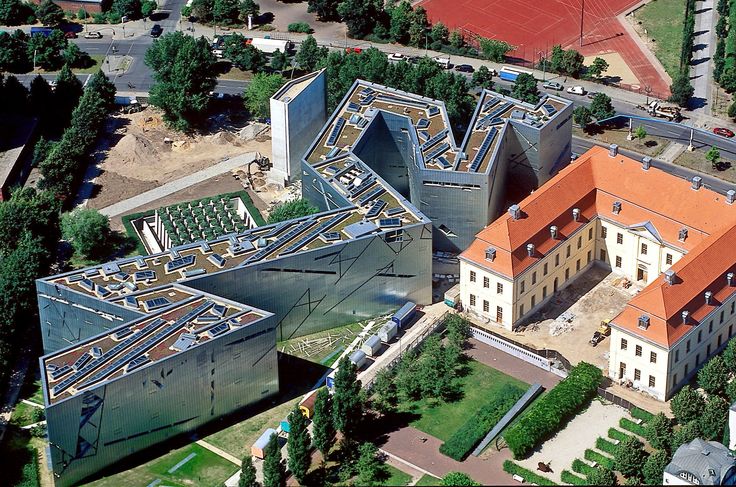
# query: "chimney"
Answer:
x=553 y=232
x=576 y=214
x=646 y=163
x=708 y=297
x=490 y=253
x=685 y=316
x=682 y=236
x=697 y=182
x=530 y=249
x=643 y=322
x=730 y=196
x=515 y=212
x=613 y=150
x=729 y=279
x=670 y=276
x=616 y=207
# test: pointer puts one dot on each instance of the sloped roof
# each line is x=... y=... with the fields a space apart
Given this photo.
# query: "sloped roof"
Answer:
x=708 y=461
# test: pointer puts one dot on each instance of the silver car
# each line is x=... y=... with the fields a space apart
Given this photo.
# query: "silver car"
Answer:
x=553 y=85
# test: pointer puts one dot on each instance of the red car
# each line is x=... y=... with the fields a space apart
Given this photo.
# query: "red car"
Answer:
x=355 y=50
x=723 y=132
x=70 y=35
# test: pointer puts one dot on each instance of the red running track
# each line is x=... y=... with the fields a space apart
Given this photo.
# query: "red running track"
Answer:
x=535 y=27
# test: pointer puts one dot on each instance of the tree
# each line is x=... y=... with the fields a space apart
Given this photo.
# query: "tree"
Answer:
x=713 y=418
x=279 y=61
x=66 y=95
x=291 y=209
x=15 y=96
x=685 y=434
x=32 y=211
x=495 y=50
x=243 y=55
x=259 y=92
x=87 y=230
x=640 y=132
x=602 y=476
x=323 y=428
x=732 y=110
x=41 y=150
x=654 y=467
x=456 y=39
x=41 y=96
x=309 y=54
x=714 y=375
x=247 y=473
x=148 y=7
x=418 y=26
x=659 y=432
x=713 y=156
x=458 y=330
x=457 y=479
x=687 y=405
x=568 y=62
x=202 y=10
x=439 y=33
x=598 y=67
x=103 y=87
x=184 y=71
x=399 y=22
x=370 y=469
x=729 y=356
x=14 y=52
x=325 y=9
x=225 y=11
x=249 y=7
x=385 y=394
x=582 y=116
x=46 y=51
x=347 y=399
x=126 y=8
x=482 y=78
x=49 y=13
x=525 y=89
x=359 y=15
x=298 y=445
x=13 y=12
x=682 y=90
x=601 y=107
x=630 y=457
x=75 y=57
x=274 y=473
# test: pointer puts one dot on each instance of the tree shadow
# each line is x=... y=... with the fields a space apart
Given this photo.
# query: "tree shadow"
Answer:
x=266 y=18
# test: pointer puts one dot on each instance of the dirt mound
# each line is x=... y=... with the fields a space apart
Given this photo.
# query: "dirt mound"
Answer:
x=134 y=149
x=223 y=138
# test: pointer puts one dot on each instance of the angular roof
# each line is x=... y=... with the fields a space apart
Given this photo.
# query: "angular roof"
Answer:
x=708 y=462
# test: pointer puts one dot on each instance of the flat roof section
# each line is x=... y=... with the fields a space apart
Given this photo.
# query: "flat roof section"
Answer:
x=294 y=87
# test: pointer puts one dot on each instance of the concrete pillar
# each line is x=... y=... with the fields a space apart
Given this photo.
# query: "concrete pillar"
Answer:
x=732 y=427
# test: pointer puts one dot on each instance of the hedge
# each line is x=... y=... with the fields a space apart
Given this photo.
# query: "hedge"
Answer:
x=479 y=424
x=572 y=479
x=629 y=425
x=582 y=468
x=616 y=434
x=30 y=476
x=548 y=415
x=531 y=477
x=688 y=36
x=606 y=446
x=645 y=416
x=599 y=458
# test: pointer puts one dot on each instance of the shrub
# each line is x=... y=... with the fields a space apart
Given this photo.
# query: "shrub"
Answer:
x=531 y=477
x=617 y=435
x=629 y=425
x=604 y=445
x=301 y=27
x=630 y=457
x=645 y=416
x=549 y=413
x=581 y=467
x=477 y=426
x=599 y=458
x=572 y=479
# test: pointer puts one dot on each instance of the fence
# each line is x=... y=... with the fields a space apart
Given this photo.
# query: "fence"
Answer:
x=618 y=401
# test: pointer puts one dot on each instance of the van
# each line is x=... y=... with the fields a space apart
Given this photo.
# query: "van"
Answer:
x=443 y=62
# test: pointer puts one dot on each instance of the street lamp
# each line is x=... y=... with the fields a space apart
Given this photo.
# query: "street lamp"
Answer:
x=544 y=66
x=34 y=59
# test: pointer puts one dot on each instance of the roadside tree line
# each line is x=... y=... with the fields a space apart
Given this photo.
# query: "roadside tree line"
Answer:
x=20 y=52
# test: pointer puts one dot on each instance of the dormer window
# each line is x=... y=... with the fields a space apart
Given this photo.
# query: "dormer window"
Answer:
x=616 y=207
x=644 y=322
x=490 y=253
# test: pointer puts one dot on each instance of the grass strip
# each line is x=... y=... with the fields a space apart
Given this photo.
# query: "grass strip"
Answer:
x=531 y=477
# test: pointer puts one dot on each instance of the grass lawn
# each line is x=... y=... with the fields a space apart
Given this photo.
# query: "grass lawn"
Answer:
x=17 y=450
x=97 y=60
x=396 y=477
x=441 y=419
x=663 y=22
x=427 y=481
x=310 y=347
x=23 y=414
x=696 y=160
x=204 y=469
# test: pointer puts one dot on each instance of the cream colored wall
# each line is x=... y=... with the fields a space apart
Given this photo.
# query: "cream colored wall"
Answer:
x=490 y=294
x=658 y=370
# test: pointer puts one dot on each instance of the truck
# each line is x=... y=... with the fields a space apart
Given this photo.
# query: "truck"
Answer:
x=657 y=109
x=42 y=31
x=270 y=46
x=508 y=73
x=405 y=314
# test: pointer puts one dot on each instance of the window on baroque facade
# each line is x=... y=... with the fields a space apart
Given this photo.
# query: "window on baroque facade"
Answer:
x=651 y=381
x=637 y=351
x=567 y=252
x=534 y=278
x=590 y=233
x=589 y=257
x=499 y=288
x=499 y=314
x=668 y=259
x=677 y=356
x=619 y=238
x=577 y=266
x=604 y=232
x=486 y=306
x=567 y=274
x=700 y=335
x=637 y=374
x=653 y=357
x=710 y=326
x=486 y=282
x=720 y=320
x=643 y=249
x=472 y=300
x=545 y=269
x=557 y=260
x=472 y=276
x=687 y=346
x=534 y=300
x=521 y=287
x=624 y=344
x=618 y=261
x=580 y=242
x=544 y=292
x=521 y=309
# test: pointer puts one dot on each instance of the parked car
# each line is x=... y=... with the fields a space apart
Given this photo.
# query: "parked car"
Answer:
x=156 y=30
x=92 y=35
x=70 y=34
x=723 y=132
x=444 y=62
x=396 y=56
x=354 y=50
x=464 y=68
x=591 y=94
x=576 y=90
x=553 y=85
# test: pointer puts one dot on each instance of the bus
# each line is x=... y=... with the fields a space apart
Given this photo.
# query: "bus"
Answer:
x=509 y=73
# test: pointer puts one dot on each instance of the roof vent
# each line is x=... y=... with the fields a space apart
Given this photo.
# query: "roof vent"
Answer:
x=729 y=278
x=669 y=276
x=708 y=297
x=646 y=163
x=515 y=211
x=682 y=235
x=576 y=214
x=490 y=253
x=685 y=316
x=613 y=150
x=643 y=322
x=697 y=183
x=730 y=196
x=553 y=232
x=616 y=207
x=530 y=249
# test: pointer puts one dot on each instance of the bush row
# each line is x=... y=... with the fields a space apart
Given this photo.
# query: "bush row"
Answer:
x=531 y=477
x=572 y=479
x=617 y=435
x=606 y=446
x=553 y=410
x=688 y=36
x=582 y=468
x=459 y=445
x=638 y=413
x=599 y=458
x=629 y=425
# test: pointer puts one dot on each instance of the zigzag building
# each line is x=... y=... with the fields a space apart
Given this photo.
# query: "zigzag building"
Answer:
x=185 y=336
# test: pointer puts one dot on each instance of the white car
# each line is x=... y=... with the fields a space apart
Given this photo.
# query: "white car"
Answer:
x=444 y=62
x=92 y=35
x=576 y=90
x=397 y=56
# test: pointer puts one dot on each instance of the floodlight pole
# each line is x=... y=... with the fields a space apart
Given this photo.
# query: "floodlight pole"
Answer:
x=582 y=15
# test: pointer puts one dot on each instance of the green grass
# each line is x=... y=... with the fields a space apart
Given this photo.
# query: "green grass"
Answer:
x=605 y=446
x=516 y=469
x=572 y=479
x=20 y=459
x=479 y=386
x=617 y=435
x=645 y=416
x=629 y=425
x=396 y=477
x=599 y=458
x=663 y=21
x=205 y=469
x=130 y=231
x=23 y=414
x=97 y=60
x=582 y=468
x=427 y=481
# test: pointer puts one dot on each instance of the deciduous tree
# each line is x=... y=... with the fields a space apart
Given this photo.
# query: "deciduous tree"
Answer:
x=601 y=107
x=682 y=89
x=482 y=78
x=247 y=473
x=602 y=476
x=243 y=55
x=310 y=54
x=659 y=432
x=370 y=468
x=687 y=405
x=598 y=67
x=455 y=479
x=713 y=418
x=49 y=13
x=630 y=457
x=325 y=9
x=359 y=15
x=87 y=230
x=713 y=376
x=495 y=50
x=654 y=467
x=225 y=11
x=525 y=89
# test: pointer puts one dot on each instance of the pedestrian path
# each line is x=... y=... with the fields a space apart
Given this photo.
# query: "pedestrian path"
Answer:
x=219 y=452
